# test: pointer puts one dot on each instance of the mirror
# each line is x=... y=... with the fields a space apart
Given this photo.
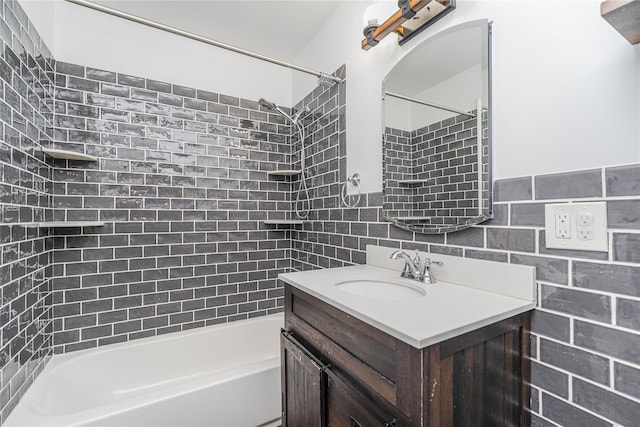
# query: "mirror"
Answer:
x=437 y=133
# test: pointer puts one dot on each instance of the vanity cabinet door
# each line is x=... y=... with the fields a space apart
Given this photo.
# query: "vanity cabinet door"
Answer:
x=346 y=407
x=303 y=385
x=383 y=367
x=369 y=378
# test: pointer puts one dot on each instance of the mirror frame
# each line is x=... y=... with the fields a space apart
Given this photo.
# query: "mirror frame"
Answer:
x=486 y=202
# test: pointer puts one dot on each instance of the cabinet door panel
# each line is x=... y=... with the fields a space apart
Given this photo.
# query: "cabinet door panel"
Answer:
x=303 y=386
x=347 y=406
x=362 y=341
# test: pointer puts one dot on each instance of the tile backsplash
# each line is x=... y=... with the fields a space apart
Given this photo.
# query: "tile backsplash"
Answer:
x=182 y=182
x=183 y=187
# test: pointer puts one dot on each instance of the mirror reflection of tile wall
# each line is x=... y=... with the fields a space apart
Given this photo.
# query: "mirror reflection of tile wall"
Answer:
x=431 y=174
x=437 y=166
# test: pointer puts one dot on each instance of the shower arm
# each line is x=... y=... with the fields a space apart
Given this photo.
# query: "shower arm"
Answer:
x=323 y=77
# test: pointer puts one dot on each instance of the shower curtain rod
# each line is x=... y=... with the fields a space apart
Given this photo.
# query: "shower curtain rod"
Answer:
x=192 y=36
x=429 y=104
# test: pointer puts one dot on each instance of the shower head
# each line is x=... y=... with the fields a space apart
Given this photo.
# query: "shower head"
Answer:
x=273 y=107
x=267 y=104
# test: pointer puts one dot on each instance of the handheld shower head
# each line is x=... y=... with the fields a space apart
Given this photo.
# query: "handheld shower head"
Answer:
x=303 y=201
x=267 y=104
x=301 y=112
x=273 y=107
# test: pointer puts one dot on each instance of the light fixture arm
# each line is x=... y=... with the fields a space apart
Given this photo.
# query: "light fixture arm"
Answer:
x=425 y=12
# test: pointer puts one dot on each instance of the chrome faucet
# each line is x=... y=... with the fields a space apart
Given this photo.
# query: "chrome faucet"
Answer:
x=413 y=269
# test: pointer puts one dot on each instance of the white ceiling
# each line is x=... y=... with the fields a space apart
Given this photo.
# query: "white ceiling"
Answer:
x=276 y=28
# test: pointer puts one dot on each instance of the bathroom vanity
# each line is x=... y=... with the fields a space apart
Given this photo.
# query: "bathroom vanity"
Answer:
x=448 y=354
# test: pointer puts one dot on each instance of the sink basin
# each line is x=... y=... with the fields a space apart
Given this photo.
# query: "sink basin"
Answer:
x=383 y=289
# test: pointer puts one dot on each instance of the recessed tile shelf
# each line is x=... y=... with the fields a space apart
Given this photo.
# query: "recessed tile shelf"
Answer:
x=285 y=172
x=70 y=224
x=68 y=155
x=411 y=181
x=283 y=222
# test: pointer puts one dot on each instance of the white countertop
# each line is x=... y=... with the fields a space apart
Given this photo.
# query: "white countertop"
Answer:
x=446 y=311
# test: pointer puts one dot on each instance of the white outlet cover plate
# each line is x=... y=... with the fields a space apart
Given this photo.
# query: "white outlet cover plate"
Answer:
x=598 y=210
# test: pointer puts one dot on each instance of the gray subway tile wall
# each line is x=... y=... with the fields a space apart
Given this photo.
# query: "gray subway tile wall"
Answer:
x=26 y=115
x=623 y=181
x=587 y=324
x=569 y=185
x=182 y=185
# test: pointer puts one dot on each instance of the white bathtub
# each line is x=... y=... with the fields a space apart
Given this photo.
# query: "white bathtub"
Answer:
x=219 y=376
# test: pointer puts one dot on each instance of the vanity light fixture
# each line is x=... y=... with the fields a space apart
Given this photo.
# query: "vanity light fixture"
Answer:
x=410 y=19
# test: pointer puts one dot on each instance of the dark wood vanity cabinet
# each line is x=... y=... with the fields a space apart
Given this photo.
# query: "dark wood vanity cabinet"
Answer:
x=340 y=371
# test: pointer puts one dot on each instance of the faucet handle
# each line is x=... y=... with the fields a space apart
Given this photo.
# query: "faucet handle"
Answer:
x=416 y=258
x=438 y=263
x=427 y=276
x=428 y=262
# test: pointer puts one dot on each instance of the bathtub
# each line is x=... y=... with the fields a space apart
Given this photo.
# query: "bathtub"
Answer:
x=220 y=376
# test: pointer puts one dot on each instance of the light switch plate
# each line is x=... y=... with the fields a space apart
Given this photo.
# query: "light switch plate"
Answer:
x=583 y=226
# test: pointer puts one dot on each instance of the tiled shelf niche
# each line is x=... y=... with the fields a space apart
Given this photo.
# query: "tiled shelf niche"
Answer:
x=284 y=222
x=68 y=155
x=57 y=153
x=411 y=181
x=285 y=172
x=70 y=224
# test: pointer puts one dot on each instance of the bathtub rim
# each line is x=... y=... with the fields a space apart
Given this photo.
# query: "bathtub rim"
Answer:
x=62 y=357
x=82 y=418
x=28 y=416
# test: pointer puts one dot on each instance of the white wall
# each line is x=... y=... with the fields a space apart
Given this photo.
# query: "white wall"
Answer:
x=94 y=39
x=566 y=85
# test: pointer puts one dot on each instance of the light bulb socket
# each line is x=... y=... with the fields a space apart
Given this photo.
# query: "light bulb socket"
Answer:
x=368 y=32
x=405 y=8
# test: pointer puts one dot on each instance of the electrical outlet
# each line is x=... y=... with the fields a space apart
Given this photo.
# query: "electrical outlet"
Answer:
x=563 y=226
x=585 y=233
x=584 y=225
x=581 y=226
x=584 y=219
